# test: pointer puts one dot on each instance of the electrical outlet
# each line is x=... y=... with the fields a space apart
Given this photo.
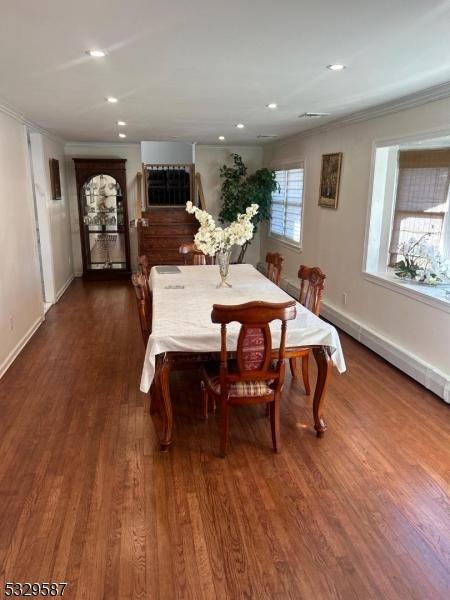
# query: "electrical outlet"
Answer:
x=344 y=298
x=11 y=322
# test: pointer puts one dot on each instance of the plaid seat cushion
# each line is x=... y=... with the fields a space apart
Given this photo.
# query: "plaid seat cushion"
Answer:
x=238 y=389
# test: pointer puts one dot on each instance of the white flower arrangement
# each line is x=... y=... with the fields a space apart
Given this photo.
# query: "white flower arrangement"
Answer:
x=421 y=262
x=210 y=239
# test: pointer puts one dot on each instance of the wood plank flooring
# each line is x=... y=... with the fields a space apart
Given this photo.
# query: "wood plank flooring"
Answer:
x=86 y=498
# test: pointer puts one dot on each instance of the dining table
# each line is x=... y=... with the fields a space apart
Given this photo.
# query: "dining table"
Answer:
x=182 y=302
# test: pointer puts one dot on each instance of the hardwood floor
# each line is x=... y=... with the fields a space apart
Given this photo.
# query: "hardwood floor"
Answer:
x=86 y=498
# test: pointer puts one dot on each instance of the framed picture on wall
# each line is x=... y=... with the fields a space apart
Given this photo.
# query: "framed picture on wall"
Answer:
x=330 y=176
x=55 y=180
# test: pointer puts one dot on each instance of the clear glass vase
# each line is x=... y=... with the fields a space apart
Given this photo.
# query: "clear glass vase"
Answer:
x=223 y=260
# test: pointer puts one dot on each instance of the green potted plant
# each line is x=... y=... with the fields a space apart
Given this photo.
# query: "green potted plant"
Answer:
x=240 y=190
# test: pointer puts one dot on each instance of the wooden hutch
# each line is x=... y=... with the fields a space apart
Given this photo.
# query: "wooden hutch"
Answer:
x=165 y=224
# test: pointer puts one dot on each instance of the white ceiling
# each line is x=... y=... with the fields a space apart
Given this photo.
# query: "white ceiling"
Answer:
x=191 y=70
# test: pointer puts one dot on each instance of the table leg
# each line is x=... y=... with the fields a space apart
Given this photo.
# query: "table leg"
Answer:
x=154 y=394
x=323 y=371
x=162 y=375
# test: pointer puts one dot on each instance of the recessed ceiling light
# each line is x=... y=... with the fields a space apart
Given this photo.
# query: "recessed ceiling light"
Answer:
x=122 y=135
x=272 y=105
x=121 y=123
x=112 y=99
x=96 y=53
x=336 y=67
x=240 y=125
x=222 y=138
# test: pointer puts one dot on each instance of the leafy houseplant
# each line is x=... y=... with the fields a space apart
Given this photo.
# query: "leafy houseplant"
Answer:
x=240 y=190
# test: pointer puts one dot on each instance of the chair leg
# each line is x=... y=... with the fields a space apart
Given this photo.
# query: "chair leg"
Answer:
x=305 y=373
x=275 y=424
x=224 y=420
x=293 y=365
x=205 y=400
x=268 y=409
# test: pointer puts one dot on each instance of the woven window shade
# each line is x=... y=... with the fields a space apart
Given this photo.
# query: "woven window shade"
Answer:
x=419 y=159
x=422 y=197
x=422 y=189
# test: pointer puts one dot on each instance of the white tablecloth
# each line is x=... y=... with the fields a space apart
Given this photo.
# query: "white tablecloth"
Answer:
x=182 y=317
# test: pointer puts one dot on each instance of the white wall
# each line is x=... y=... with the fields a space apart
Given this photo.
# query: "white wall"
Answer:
x=54 y=216
x=21 y=297
x=167 y=153
x=208 y=160
x=334 y=239
x=20 y=286
x=132 y=154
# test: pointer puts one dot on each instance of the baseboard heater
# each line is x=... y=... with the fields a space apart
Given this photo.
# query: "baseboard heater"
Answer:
x=431 y=378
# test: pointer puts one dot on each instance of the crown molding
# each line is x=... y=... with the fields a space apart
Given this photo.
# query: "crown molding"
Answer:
x=9 y=111
x=103 y=144
x=432 y=94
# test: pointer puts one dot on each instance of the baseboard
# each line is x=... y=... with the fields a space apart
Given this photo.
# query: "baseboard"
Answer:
x=427 y=375
x=26 y=338
x=431 y=378
x=19 y=347
x=64 y=288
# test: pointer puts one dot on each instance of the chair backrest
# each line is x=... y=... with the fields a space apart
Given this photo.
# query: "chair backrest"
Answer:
x=274 y=264
x=144 y=265
x=254 y=348
x=312 y=282
x=144 y=270
x=144 y=304
x=191 y=254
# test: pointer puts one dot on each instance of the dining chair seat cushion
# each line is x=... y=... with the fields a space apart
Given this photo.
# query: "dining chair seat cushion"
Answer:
x=236 y=389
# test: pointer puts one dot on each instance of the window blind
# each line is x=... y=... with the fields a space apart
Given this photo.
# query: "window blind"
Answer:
x=422 y=198
x=287 y=205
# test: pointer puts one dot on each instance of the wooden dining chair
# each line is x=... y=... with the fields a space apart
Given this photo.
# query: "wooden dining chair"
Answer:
x=183 y=361
x=312 y=283
x=274 y=266
x=144 y=304
x=192 y=255
x=252 y=377
x=143 y=265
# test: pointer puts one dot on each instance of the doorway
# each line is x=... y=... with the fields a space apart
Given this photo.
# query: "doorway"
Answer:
x=44 y=247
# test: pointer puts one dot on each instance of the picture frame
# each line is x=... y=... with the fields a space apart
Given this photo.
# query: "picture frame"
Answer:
x=330 y=176
x=55 y=180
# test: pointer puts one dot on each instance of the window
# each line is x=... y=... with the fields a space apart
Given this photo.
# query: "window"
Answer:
x=168 y=185
x=409 y=199
x=287 y=206
x=421 y=202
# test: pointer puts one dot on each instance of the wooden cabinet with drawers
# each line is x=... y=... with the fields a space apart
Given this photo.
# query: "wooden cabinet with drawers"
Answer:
x=168 y=227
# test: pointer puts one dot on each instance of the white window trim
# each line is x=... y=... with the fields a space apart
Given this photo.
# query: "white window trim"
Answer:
x=298 y=163
x=432 y=296
x=297 y=247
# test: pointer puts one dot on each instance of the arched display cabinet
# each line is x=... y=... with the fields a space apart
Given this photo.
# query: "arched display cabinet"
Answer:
x=103 y=213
